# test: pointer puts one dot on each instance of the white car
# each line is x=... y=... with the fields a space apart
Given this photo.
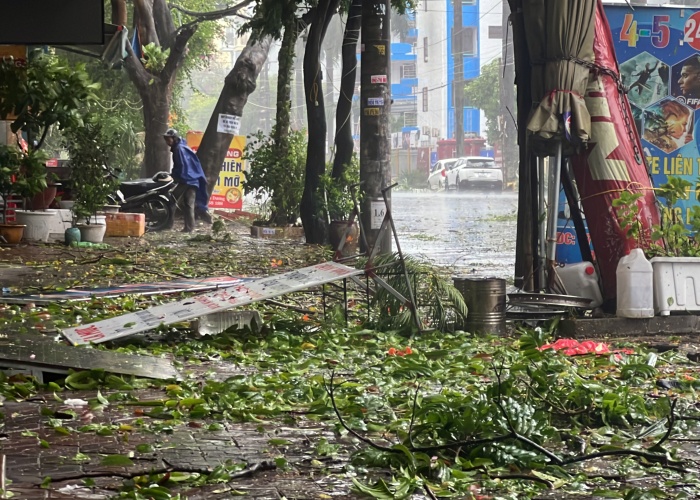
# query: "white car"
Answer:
x=438 y=173
x=475 y=172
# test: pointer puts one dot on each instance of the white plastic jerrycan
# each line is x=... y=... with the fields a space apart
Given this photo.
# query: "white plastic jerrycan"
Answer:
x=635 y=286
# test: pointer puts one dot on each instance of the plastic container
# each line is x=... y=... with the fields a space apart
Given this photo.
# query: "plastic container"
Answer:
x=72 y=235
x=635 y=286
x=581 y=280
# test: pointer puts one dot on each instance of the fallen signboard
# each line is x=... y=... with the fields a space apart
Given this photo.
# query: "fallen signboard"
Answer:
x=36 y=354
x=157 y=288
x=205 y=304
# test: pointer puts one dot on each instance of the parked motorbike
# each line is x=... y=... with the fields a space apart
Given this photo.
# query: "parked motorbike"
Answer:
x=152 y=197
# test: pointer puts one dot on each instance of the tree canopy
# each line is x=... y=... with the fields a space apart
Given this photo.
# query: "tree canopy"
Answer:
x=480 y=94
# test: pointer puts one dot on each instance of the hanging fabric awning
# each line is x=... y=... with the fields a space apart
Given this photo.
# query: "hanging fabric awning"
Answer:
x=560 y=36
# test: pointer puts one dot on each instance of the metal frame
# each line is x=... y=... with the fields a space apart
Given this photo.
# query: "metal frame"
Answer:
x=370 y=268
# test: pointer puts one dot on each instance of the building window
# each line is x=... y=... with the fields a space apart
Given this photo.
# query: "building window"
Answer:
x=469 y=41
x=408 y=71
x=425 y=49
x=410 y=119
x=425 y=99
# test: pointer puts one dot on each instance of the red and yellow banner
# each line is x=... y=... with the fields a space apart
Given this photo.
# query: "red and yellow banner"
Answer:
x=228 y=192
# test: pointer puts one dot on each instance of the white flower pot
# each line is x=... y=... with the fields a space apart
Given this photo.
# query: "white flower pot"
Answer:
x=92 y=233
x=676 y=284
x=39 y=224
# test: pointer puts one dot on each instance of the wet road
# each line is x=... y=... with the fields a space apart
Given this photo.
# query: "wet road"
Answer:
x=466 y=231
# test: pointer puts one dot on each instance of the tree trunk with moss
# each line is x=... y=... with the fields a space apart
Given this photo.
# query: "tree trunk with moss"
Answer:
x=344 y=143
x=284 y=94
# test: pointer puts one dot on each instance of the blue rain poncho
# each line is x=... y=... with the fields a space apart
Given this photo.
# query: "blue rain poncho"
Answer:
x=188 y=170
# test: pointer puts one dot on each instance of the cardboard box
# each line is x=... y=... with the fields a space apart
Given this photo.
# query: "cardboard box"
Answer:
x=123 y=224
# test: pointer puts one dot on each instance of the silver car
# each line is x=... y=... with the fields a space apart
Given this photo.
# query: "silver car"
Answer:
x=475 y=172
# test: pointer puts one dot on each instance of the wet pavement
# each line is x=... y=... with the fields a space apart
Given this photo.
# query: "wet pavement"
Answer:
x=36 y=449
x=465 y=231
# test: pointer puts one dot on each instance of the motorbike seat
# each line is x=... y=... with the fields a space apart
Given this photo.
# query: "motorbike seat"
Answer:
x=139 y=186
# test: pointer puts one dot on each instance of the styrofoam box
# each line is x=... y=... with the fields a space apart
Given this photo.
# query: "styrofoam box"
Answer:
x=676 y=284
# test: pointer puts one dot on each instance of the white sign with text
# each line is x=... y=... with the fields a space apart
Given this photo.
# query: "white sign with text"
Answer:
x=229 y=124
x=208 y=303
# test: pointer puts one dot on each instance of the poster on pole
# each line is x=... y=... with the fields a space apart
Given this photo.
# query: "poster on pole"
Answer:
x=228 y=192
x=658 y=52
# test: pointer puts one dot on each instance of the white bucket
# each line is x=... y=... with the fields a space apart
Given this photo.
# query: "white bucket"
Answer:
x=635 y=286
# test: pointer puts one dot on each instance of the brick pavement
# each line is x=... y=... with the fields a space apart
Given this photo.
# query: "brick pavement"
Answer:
x=184 y=448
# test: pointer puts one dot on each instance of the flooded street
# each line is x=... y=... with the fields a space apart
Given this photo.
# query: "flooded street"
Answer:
x=465 y=231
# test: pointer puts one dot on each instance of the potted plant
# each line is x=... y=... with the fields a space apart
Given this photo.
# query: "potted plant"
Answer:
x=90 y=151
x=24 y=175
x=276 y=183
x=47 y=93
x=674 y=251
x=339 y=205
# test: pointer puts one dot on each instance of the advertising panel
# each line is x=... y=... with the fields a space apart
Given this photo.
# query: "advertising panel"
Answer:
x=658 y=50
x=228 y=192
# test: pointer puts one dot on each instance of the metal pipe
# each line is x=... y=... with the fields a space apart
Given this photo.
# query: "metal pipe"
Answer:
x=553 y=205
x=542 y=222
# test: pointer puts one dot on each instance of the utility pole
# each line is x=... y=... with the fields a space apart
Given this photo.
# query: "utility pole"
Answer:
x=375 y=106
x=458 y=79
x=509 y=146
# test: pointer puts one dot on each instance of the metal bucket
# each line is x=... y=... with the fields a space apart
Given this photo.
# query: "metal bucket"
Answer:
x=486 y=300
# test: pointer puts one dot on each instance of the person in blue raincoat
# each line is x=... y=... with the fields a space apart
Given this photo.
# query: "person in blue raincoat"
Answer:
x=191 y=190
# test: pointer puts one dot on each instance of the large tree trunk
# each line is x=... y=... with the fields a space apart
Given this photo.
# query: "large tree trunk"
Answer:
x=330 y=78
x=119 y=16
x=284 y=84
x=156 y=109
x=315 y=225
x=156 y=91
x=344 y=143
x=238 y=85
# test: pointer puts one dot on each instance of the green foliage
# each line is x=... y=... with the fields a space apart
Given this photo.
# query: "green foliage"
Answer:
x=49 y=92
x=441 y=304
x=336 y=193
x=627 y=211
x=90 y=153
x=277 y=182
x=21 y=174
x=413 y=179
x=670 y=238
x=154 y=57
x=482 y=93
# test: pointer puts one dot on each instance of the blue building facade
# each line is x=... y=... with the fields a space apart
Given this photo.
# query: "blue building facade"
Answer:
x=472 y=60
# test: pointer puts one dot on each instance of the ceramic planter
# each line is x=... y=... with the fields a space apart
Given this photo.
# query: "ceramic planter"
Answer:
x=676 y=284
x=12 y=233
x=39 y=224
x=92 y=233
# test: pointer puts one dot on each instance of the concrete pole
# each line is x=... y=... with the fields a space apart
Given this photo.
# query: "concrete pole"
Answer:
x=458 y=81
x=509 y=148
x=375 y=107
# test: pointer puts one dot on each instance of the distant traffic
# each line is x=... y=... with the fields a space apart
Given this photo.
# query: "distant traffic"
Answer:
x=469 y=172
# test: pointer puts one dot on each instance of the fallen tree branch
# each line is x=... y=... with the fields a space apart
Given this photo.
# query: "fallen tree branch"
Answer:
x=260 y=466
x=447 y=446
